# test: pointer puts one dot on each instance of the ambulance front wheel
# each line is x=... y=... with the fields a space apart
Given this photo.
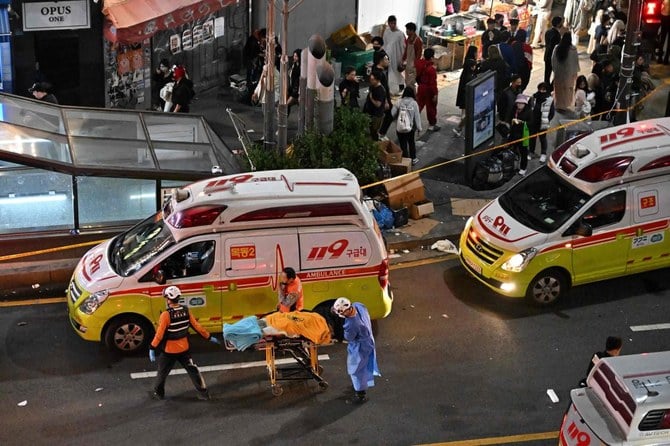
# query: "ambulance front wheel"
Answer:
x=128 y=334
x=547 y=287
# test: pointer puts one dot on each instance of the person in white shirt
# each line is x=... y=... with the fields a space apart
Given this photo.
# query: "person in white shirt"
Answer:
x=394 y=45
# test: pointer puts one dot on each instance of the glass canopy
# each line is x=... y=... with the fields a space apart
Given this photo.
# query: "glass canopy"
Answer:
x=103 y=141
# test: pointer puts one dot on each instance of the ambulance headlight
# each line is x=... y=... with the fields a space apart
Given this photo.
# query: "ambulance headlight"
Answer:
x=93 y=302
x=518 y=262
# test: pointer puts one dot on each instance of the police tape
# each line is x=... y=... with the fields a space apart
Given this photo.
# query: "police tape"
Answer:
x=48 y=250
x=509 y=143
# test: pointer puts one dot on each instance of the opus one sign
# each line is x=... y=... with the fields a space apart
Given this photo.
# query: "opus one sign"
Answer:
x=49 y=16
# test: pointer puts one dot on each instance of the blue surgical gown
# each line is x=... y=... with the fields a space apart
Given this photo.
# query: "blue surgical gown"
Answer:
x=361 y=358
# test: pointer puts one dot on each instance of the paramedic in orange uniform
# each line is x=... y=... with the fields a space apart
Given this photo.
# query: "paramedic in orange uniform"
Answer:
x=172 y=328
x=290 y=291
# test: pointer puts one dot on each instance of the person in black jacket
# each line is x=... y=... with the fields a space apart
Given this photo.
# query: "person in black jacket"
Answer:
x=182 y=93
x=551 y=39
x=294 y=81
x=543 y=113
x=612 y=348
x=349 y=89
x=490 y=37
x=469 y=72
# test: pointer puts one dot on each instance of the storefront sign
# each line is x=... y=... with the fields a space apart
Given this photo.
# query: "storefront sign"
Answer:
x=49 y=16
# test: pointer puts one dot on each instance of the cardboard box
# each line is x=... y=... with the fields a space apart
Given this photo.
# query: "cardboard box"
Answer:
x=401 y=168
x=360 y=43
x=404 y=191
x=389 y=152
x=421 y=209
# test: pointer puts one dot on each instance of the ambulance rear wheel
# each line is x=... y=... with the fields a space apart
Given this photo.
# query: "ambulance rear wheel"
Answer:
x=277 y=390
x=547 y=288
x=128 y=334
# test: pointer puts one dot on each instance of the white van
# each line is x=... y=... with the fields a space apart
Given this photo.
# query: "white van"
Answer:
x=626 y=402
x=224 y=242
x=599 y=209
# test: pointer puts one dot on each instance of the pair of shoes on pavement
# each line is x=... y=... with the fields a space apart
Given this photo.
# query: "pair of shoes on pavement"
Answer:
x=522 y=172
x=457 y=133
x=434 y=128
x=415 y=161
x=383 y=137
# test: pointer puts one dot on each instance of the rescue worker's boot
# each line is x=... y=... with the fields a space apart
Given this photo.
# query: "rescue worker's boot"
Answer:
x=359 y=398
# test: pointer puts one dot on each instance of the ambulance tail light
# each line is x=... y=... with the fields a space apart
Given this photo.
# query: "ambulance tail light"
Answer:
x=195 y=216
x=560 y=150
x=383 y=274
x=605 y=169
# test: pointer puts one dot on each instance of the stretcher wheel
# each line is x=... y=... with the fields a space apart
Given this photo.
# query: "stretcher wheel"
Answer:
x=277 y=390
x=323 y=385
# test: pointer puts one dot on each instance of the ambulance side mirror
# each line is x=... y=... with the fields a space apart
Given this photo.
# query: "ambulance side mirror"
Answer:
x=159 y=277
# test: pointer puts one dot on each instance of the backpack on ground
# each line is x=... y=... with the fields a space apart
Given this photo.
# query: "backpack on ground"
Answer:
x=404 y=124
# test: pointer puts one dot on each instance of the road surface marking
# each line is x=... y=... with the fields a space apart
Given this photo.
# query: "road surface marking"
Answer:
x=19 y=303
x=500 y=440
x=216 y=368
x=650 y=327
x=421 y=262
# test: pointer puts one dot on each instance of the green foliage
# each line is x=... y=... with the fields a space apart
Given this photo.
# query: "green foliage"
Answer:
x=348 y=146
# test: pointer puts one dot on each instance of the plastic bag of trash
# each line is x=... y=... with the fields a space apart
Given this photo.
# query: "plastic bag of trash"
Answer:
x=445 y=246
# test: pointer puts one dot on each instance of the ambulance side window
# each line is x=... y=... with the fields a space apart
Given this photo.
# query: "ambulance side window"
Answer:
x=192 y=260
x=608 y=210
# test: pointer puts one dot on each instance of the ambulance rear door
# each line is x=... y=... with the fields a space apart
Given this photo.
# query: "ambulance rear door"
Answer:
x=253 y=261
x=650 y=247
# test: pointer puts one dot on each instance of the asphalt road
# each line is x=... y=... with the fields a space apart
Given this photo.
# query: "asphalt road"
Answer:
x=458 y=363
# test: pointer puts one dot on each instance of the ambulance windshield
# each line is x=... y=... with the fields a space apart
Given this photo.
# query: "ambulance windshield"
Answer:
x=141 y=243
x=543 y=201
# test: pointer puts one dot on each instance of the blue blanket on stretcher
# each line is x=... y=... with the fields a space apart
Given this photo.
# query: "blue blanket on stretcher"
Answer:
x=243 y=333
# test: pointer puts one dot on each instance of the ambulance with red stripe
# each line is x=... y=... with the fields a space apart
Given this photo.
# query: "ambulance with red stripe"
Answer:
x=626 y=402
x=223 y=242
x=599 y=209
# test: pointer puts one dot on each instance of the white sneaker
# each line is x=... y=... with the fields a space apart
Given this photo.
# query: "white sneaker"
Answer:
x=522 y=172
x=383 y=138
x=457 y=133
x=529 y=157
x=415 y=161
x=543 y=158
x=431 y=128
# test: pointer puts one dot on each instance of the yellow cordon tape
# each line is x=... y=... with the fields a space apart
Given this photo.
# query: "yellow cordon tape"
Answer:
x=500 y=146
x=80 y=245
x=48 y=250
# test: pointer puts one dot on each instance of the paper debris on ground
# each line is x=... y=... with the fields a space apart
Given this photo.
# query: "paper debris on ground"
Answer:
x=23 y=403
x=99 y=389
x=552 y=395
x=445 y=246
x=467 y=206
x=419 y=228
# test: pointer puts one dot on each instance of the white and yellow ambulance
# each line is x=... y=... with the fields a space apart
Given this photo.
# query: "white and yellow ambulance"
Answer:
x=626 y=402
x=599 y=209
x=223 y=242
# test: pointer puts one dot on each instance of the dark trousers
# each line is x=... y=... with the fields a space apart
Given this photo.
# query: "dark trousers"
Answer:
x=386 y=123
x=375 y=125
x=522 y=151
x=165 y=363
x=406 y=141
x=543 y=141
x=665 y=31
x=547 y=71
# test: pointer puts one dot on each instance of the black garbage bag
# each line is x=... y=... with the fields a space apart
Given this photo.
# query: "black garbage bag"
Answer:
x=510 y=163
x=488 y=174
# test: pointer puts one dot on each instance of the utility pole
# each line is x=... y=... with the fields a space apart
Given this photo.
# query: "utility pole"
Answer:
x=269 y=105
x=282 y=118
x=628 y=63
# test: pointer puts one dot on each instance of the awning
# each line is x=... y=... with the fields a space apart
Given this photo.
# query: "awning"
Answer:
x=131 y=21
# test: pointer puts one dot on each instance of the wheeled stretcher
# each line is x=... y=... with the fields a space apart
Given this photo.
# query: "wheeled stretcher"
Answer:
x=297 y=334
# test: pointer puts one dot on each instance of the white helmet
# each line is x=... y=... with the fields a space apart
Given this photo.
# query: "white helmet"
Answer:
x=341 y=305
x=172 y=293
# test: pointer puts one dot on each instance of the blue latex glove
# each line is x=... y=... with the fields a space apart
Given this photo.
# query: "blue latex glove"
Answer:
x=214 y=340
x=152 y=355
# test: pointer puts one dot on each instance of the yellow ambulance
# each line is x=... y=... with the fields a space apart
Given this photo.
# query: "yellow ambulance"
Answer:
x=223 y=242
x=599 y=209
